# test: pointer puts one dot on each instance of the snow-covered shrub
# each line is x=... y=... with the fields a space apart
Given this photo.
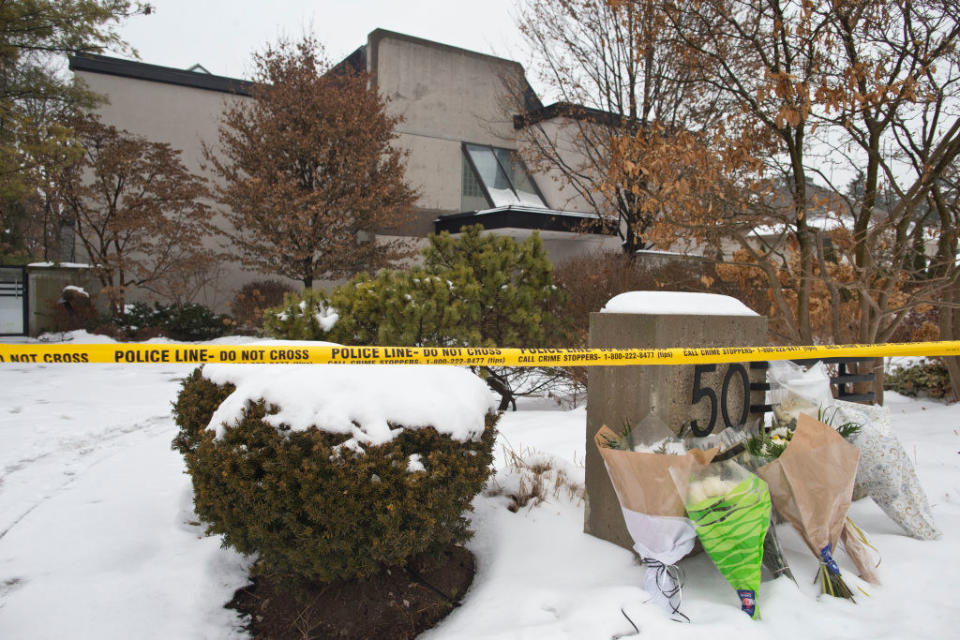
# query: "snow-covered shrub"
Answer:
x=197 y=401
x=359 y=494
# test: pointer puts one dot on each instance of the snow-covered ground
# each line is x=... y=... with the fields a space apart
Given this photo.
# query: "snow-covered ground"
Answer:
x=98 y=538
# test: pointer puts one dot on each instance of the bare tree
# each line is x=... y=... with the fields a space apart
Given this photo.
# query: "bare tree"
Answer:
x=137 y=210
x=614 y=71
x=812 y=95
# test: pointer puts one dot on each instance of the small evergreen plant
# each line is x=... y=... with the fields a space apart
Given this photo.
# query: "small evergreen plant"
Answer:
x=318 y=512
x=929 y=377
x=187 y=322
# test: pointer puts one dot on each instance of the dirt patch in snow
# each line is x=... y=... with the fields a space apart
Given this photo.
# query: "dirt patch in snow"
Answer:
x=394 y=605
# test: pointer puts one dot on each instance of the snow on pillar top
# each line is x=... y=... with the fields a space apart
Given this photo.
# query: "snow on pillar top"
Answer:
x=679 y=303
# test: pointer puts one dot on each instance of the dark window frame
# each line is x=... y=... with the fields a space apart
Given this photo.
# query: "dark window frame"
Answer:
x=25 y=279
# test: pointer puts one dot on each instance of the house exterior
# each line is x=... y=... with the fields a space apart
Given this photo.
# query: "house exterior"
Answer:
x=457 y=129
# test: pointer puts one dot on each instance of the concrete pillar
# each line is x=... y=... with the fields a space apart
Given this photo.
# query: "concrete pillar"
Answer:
x=631 y=393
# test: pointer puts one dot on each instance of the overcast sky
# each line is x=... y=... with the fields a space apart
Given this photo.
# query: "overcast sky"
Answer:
x=221 y=34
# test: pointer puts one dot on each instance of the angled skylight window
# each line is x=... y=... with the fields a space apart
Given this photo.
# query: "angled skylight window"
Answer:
x=472 y=196
x=501 y=177
x=522 y=183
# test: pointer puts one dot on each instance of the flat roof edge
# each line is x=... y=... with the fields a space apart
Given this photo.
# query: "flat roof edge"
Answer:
x=378 y=34
x=95 y=63
x=524 y=218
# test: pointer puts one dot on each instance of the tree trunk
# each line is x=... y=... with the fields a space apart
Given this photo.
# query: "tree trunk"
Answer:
x=878 y=381
x=950 y=330
x=498 y=385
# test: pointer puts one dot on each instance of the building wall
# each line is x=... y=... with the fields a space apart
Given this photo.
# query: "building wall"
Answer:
x=186 y=118
x=562 y=134
x=182 y=116
x=446 y=96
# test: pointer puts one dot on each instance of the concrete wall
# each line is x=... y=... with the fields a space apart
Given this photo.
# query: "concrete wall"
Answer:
x=186 y=118
x=562 y=134
x=447 y=96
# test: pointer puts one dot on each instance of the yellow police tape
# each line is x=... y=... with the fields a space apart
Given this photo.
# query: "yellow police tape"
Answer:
x=305 y=353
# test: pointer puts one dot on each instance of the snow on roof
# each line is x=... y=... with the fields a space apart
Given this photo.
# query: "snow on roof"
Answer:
x=676 y=303
x=361 y=401
x=65 y=265
x=819 y=222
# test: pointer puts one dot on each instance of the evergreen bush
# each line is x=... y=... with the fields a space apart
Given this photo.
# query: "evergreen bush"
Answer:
x=187 y=322
x=299 y=316
x=319 y=512
x=477 y=290
x=927 y=377
x=197 y=401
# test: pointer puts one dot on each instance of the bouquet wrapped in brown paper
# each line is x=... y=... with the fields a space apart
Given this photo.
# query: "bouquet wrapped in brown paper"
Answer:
x=653 y=510
x=811 y=485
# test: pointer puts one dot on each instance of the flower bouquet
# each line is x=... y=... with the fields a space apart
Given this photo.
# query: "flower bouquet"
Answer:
x=652 y=507
x=730 y=509
x=768 y=445
x=886 y=473
x=811 y=484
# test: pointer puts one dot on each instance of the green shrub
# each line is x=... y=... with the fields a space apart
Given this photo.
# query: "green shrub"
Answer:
x=479 y=290
x=408 y=308
x=195 y=405
x=507 y=285
x=189 y=322
x=927 y=376
x=475 y=290
x=322 y=513
x=298 y=317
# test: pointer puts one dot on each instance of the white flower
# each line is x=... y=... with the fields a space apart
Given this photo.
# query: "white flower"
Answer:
x=709 y=487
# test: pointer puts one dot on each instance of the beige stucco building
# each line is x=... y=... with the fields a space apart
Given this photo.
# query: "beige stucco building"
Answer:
x=458 y=129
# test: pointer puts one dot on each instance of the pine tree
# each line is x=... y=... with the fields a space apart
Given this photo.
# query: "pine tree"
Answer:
x=474 y=290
